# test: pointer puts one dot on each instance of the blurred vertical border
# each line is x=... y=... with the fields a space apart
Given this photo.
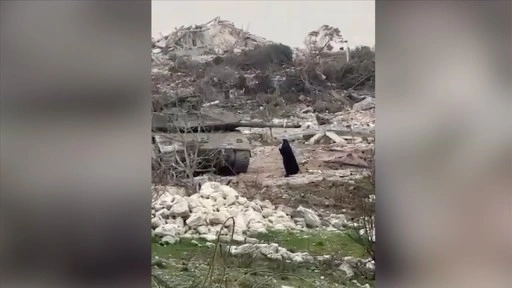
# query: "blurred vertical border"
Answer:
x=75 y=143
x=443 y=154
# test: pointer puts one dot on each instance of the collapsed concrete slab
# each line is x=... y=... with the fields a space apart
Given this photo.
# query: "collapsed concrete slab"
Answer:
x=327 y=137
x=218 y=36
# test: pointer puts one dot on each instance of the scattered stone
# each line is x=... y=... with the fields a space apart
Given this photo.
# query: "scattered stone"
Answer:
x=233 y=211
x=240 y=224
x=370 y=265
x=287 y=210
x=156 y=222
x=279 y=227
x=206 y=190
x=347 y=268
x=367 y=104
x=241 y=200
x=209 y=237
x=208 y=204
x=325 y=223
x=169 y=240
x=255 y=207
x=209 y=188
x=180 y=209
x=326 y=138
x=323 y=258
x=246 y=249
x=218 y=217
x=256 y=228
x=224 y=238
x=163 y=213
x=194 y=201
x=189 y=235
x=338 y=224
x=299 y=220
x=266 y=213
x=337 y=139
x=238 y=238
x=359 y=285
x=209 y=244
x=230 y=200
x=202 y=230
x=180 y=222
x=158 y=207
x=267 y=204
x=251 y=240
x=228 y=192
x=310 y=217
x=196 y=220
x=168 y=230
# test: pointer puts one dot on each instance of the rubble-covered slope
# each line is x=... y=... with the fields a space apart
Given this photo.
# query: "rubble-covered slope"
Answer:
x=218 y=36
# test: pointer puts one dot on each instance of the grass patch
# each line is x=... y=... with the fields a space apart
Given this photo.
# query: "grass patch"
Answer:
x=315 y=243
x=187 y=263
x=184 y=249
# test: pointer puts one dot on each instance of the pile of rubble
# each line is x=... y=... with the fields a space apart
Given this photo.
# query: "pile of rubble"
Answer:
x=216 y=36
x=275 y=252
x=202 y=215
x=341 y=127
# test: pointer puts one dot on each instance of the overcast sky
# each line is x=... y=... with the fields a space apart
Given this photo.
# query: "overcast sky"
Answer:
x=286 y=22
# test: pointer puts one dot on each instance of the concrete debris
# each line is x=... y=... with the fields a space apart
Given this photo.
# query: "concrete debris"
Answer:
x=327 y=137
x=310 y=217
x=273 y=251
x=202 y=215
x=169 y=240
x=218 y=36
x=345 y=267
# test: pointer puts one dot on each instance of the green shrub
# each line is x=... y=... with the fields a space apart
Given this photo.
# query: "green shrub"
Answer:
x=359 y=70
x=261 y=57
x=218 y=60
x=264 y=84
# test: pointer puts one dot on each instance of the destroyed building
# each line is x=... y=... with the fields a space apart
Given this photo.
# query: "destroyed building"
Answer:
x=214 y=37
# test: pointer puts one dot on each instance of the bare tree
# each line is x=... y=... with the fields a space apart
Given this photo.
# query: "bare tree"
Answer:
x=317 y=42
x=269 y=107
x=323 y=39
x=183 y=158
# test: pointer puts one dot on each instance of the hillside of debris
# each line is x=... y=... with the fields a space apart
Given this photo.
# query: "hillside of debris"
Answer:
x=220 y=61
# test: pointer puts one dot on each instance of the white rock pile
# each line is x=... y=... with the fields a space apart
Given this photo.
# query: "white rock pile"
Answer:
x=274 y=251
x=203 y=214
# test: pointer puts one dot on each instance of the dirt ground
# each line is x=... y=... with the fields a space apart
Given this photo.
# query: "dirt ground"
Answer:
x=266 y=161
x=322 y=186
